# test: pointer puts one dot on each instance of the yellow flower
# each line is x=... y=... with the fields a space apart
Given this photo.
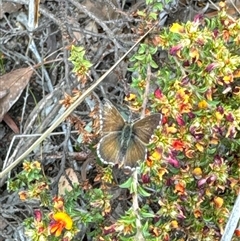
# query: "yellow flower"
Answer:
x=36 y=165
x=131 y=97
x=27 y=166
x=218 y=201
x=58 y=203
x=177 y=28
x=219 y=116
x=171 y=129
x=199 y=147
x=174 y=224
x=194 y=53
x=197 y=172
x=156 y=155
x=60 y=221
x=202 y=104
x=228 y=79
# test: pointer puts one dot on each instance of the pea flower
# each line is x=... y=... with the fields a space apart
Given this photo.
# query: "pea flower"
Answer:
x=59 y=222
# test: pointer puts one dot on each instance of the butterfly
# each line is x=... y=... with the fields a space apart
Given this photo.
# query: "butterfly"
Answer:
x=124 y=143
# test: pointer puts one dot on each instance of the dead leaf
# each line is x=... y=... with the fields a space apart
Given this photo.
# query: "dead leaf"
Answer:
x=10 y=122
x=7 y=7
x=101 y=9
x=91 y=27
x=14 y=83
x=64 y=185
x=3 y=93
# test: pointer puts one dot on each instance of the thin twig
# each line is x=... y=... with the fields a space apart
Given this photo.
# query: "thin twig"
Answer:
x=63 y=116
x=135 y=206
x=145 y=97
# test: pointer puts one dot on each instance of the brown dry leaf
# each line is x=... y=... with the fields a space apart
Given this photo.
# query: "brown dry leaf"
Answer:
x=7 y=7
x=14 y=82
x=101 y=9
x=64 y=185
x=3 y=93
x=10 y=122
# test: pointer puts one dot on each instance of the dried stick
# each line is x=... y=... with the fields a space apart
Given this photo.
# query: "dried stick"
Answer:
x=69 y=110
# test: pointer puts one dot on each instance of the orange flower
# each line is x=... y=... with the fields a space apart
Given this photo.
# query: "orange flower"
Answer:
x=218 y=201
x=36 y=165
x=60 y=221
x=27 y=166
x=197 y=213
x=23 y=195
x=185 y=108
x=180 y=188
x=149 y=162
x=178 y=145
x=237 y=232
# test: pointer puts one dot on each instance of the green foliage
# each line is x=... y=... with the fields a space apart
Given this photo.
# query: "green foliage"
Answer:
x=187 y=186
x=198 y=148
x=81 y=64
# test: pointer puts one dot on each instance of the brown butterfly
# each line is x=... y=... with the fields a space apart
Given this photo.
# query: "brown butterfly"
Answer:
x=124 y=143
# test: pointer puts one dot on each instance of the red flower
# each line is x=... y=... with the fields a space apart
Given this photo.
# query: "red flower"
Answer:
x=180 y=120
x=146 y=178
x=178 y=145
x=175 y=50
x=198 y=18
x=173 y=161
x=211 y=67
x=38 y=215
x=158 y=93
x=110 y=229
x=237 y=232
x=230 y=117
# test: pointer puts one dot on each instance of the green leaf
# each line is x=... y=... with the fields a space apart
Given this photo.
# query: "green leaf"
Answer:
x=142 y=192
x=127 y=184
x=153 y=50
x=149 y=2
x=158 y=6
x=149 y=58
x=153 y=64
x=140 y=57
x=147 y=214
x=153 y=16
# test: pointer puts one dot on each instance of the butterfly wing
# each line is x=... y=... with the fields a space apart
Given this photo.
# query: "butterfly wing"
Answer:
x=113 y=148
x=145 y=127
x=109 y=148
x=136 y=151
x=111 y=120
x=110 y=151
